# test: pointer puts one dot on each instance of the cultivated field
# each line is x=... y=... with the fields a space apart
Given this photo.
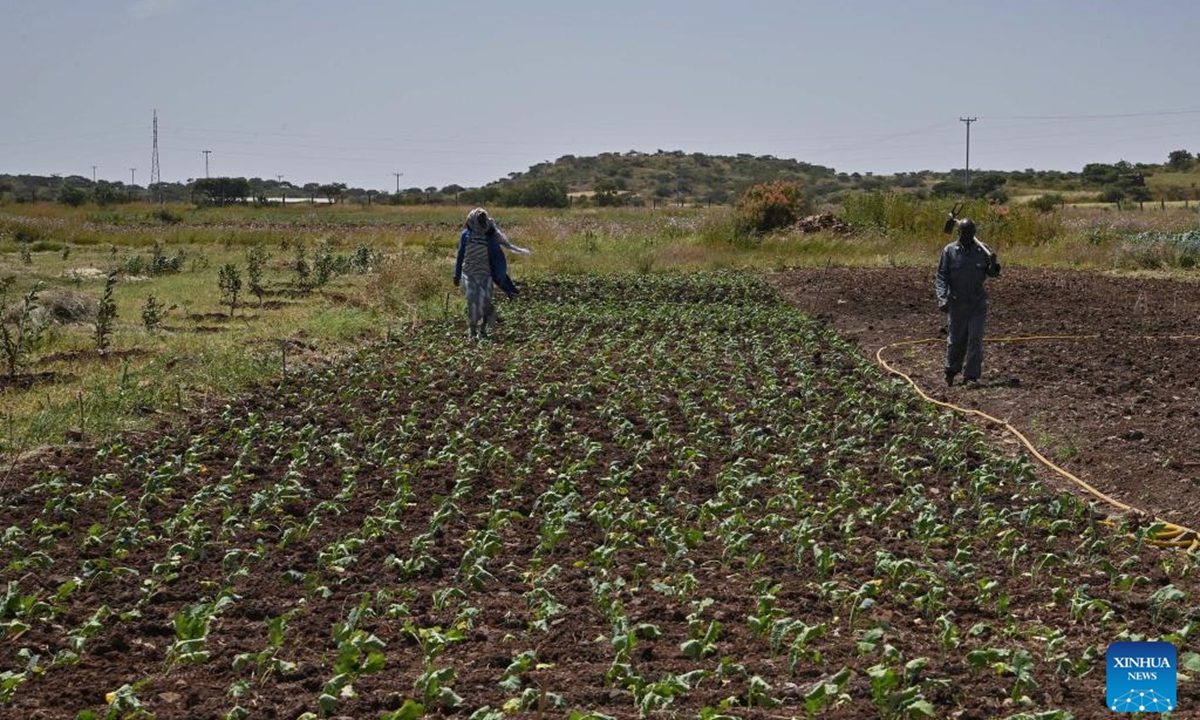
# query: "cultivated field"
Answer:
x=664 y=490
x=670 y=495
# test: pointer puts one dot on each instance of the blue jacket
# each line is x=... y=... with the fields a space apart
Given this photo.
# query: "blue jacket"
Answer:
x=499 y=263
x=961 y=273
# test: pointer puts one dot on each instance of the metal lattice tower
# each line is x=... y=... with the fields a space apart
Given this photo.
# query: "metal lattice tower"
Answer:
x=155 y=177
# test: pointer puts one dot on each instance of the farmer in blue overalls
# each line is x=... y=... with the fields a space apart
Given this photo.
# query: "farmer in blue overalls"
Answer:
x=962 y=270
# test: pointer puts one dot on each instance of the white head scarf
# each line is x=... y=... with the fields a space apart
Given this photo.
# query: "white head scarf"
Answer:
x=478 y=223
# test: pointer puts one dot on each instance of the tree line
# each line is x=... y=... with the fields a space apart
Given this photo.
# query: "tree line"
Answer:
x=633 y=178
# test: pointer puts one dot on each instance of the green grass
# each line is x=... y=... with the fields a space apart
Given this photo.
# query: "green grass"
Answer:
x=1189 y=179
x=199 y=357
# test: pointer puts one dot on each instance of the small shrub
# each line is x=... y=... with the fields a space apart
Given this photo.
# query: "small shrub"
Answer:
x=229 y=279
x=1047 y=202
x=20 y=336
x=153 y=313
x=361 y=260
x=324 y=268
x=166 y=217
x=300 y=264
x=136 y=266
x=769 y=206
x=26 y=234
x=106 y=314
x=72 y=196
x=162 y=264
x=256 y=260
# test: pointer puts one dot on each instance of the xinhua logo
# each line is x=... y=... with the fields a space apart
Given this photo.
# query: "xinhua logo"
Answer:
x=1141 y=677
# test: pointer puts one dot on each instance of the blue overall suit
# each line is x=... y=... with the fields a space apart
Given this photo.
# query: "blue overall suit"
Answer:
x=964 y=266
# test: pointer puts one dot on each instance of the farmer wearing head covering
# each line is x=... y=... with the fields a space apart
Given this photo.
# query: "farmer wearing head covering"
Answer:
x=964 y=266
x=481 y=262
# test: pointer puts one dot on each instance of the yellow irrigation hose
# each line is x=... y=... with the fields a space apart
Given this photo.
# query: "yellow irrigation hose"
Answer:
x=1171 y=535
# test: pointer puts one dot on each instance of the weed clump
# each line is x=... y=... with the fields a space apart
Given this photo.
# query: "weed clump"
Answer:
x=1154 y=250
x=399 y=284
x=66 y=307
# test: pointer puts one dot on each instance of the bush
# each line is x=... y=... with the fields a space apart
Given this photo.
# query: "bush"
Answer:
x=769 y=206
x=161 y=264
x=362 y=260
x=20 y=337
x=166 y=217
x=300 y=264
x=539 y=193
x=229 y=280
x=72 y=196
x=153 y=313
x=325 y=266
x=1047 y=202
x=902 y=212
x=256 y=260
x=106 y=314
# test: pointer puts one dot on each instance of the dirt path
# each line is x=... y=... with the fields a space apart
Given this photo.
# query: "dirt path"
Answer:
x=1122 y=412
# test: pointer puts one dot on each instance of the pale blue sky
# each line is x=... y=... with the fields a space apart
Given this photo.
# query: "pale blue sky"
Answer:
x=467 y=92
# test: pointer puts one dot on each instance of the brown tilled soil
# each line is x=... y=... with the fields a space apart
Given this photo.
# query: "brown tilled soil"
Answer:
x=405 y=387
x=1122 y=411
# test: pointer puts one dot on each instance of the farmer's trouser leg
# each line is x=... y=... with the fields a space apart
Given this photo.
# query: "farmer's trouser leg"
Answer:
x=478 y=292
x=965 y=338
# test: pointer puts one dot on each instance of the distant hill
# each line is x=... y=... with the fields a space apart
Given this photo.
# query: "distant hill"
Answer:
x=670 y=176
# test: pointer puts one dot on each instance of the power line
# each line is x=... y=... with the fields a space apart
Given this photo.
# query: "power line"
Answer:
x=373 y=142
x=79 y=136
x=1109 y=116
x=377 y=161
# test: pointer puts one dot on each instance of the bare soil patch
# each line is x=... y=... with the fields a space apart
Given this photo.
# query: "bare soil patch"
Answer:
x=93 y=354
x=28 y=380
x=219 y=317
